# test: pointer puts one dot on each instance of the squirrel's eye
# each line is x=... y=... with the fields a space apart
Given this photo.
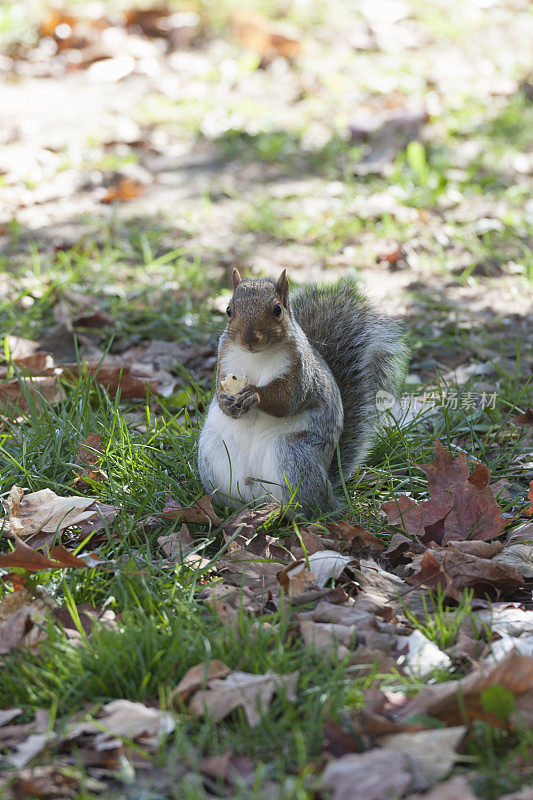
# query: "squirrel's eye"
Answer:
x=277 y=310
x=228 y=311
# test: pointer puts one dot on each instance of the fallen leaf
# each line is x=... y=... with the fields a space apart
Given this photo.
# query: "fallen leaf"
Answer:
x=455 y=568
x=398 y=549
x=115 y=377
x=34 y=364
x=524 y=420
x=326 y=636
x=523 y=534
x=422 y=656
x=93 y=319
x=229 y=767
x=9 y=714
x=462 y=506
x=374 y=775
x=176 y=544
x=242 y=532
x=30 y=748
x=456 y=702
x=522 y=794
x=360 y=538
x=326 y=565
x=24 y=557
x=337 y=742
x=431 y=753
x=260 y=34
x=519 y=556
x=45 y=511
x=22 y=620
x=296 y=579
x=421 y=520
x=456 y=788
x=529 y=511
x=310 y=543
x=229 y=601
x=200 y=512
x=253 y=692
x=123 y=719
x=15 y=392
x=128 y=188
x=52 y=781
x=18 y=347
x=198 y=676
x=90 y=452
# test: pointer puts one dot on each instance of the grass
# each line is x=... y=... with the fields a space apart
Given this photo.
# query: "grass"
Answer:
x=163 y=628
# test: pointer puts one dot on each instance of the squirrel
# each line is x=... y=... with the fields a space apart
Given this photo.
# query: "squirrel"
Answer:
x=312 y=365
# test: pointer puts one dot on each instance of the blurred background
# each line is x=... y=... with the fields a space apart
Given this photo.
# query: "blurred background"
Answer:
x=148 y=148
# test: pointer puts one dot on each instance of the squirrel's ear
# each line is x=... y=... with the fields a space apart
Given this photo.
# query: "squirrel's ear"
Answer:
x=282 y=287
x=236 y=278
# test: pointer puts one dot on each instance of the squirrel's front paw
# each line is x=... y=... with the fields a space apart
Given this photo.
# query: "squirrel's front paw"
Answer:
x=227 y=404
x=245 y=400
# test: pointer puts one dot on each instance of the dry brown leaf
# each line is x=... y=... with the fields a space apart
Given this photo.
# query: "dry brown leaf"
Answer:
x=456 y=702
x=259 y=34
x=93 y=319
x=424 y=521
x=24 y=557
x=422 y=655
x=523 y=534
x=45 y=511
x=312 y=542
x=90 y=452
x=18 y=347
x=115 y=377
x=19 y=613
x=398 y=549
x=228 y=767
x=431 y=753
x=201 y=511
x=326 y=565
x=359 y=537
x=377 y=774
x=9 y=714
x=329 y=637
x=123 y=719
x=198 y=676
x=176 y=544
x=14 y=391
x=455 y=568
x=52 y=781
x=31 y=747
x=456 y=788
x=462 y=506
x=253 y=692
x=524 y=420
x=296 y=579
x=337 y=742
x=34 y=364
x=228 y=601
x=243 y=533
x=127 y=189
x=519 y=556
x=529 y=511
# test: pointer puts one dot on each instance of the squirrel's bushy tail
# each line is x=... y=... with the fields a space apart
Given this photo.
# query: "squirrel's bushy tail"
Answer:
x=363 y=350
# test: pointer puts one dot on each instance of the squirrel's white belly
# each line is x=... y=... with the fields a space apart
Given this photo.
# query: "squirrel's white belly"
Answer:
x=240 y=456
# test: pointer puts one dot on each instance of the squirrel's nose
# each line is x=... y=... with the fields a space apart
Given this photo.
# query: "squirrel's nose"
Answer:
x=251 y=337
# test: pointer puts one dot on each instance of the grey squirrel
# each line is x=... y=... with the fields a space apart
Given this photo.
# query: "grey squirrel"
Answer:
x=295 y=378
